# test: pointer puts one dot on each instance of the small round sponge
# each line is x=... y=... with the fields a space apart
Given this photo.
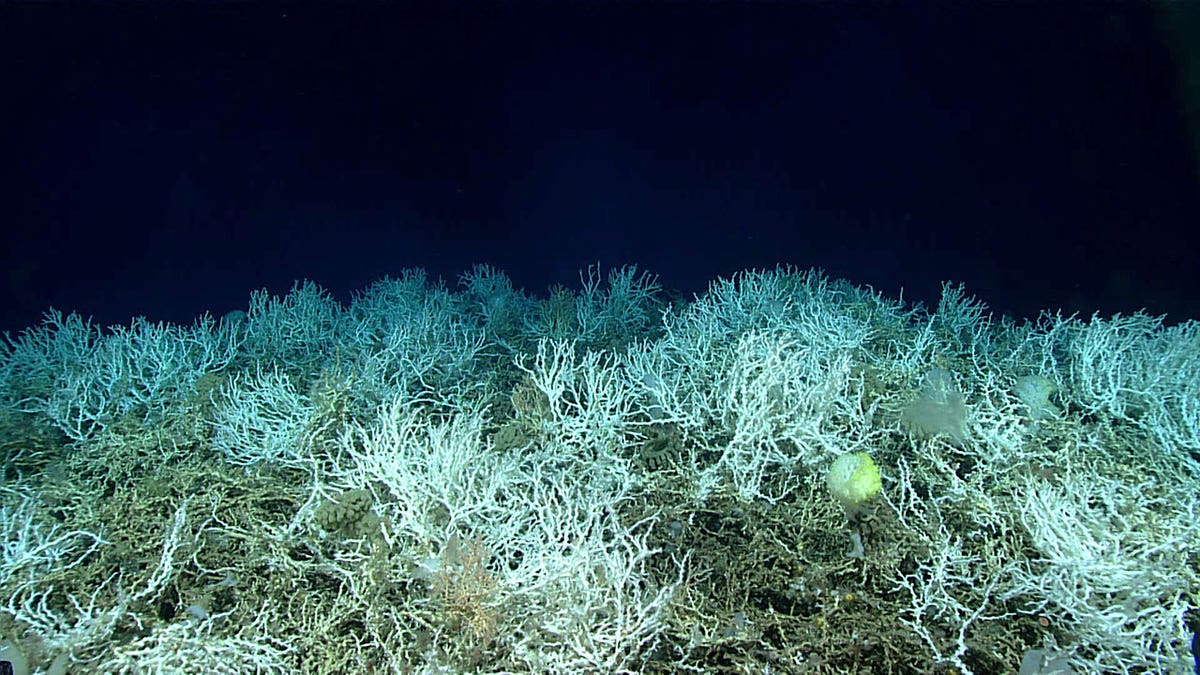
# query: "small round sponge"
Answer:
x=854 y=481
x=350 y=513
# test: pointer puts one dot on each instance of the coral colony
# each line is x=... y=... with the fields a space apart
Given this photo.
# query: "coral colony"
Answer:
x=784 y=474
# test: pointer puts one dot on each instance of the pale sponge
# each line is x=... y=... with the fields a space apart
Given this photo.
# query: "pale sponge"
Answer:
x=854 y=481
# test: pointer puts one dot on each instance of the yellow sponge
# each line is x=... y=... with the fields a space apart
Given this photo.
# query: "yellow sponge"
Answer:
x=854 y=481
